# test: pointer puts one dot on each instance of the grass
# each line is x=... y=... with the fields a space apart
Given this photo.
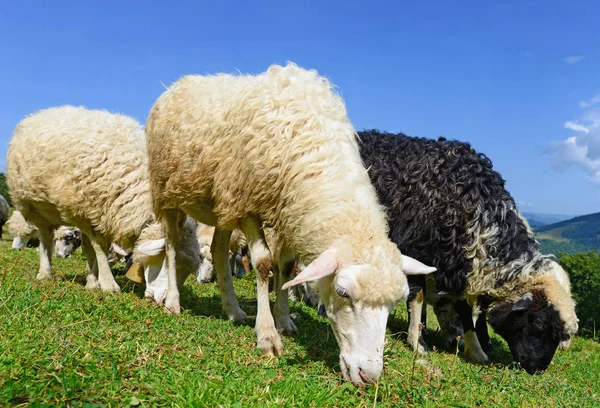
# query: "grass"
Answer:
x=554 y=235
x=61 y=345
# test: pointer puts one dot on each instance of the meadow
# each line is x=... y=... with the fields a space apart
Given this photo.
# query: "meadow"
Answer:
x=61 y=345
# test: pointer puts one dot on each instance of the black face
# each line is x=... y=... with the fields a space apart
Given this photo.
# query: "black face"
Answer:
x=532 y=330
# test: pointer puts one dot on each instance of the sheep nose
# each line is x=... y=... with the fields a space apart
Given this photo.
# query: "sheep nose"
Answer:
x=369 y=371
x=367 y=379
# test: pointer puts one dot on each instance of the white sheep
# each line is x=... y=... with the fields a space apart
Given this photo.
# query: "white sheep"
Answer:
x=277 y=149
x=239 y=261
x=22 y=231
x=88 y=169
x=66 y=239
x=150 y=255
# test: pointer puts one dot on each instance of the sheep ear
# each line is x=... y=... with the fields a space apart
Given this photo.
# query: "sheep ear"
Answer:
x=153 y=247
x=411 y=266
x=324 y=265
x=120 y=251
x=524 y=303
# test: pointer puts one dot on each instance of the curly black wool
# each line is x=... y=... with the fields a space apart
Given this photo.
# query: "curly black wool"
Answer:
x=435 y=191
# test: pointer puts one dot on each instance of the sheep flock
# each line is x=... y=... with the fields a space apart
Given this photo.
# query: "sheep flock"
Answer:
x=266 y=172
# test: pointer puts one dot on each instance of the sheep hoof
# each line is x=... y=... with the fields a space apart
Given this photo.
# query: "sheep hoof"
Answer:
x=111 y=287
x=43 y=275
x=420 y=350
x=172 y=306
x=286 y=325
x=237 y=315
x=270 y=345
x=92 y=284
x=476 y=356
x=418 y=346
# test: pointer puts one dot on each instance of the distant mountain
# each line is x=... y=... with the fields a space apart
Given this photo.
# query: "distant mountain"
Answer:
x=538 y=219
x=579 y=234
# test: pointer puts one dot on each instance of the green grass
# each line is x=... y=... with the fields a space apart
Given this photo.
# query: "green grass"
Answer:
x=61 y=345
x=554 y=235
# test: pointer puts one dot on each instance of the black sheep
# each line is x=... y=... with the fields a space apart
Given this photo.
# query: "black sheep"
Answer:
x=448 y=208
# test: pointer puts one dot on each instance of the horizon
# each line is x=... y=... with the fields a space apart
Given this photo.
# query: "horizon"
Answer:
x=516 y=80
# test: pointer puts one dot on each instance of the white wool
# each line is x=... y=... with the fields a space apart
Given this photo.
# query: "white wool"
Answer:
x=279 y=148
x=83 y=168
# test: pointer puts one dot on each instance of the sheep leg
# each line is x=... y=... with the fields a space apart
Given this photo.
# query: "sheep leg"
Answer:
x=281 y=309
x=173 y=222
x=92 y=265
x=415 y=304
x=450 y=325
x=482 y=333
x=46 y=236
x=105 y=277
x=269 y=341
x=481 y=326
x=424 y=319
x=468 y=316
x=220 y=255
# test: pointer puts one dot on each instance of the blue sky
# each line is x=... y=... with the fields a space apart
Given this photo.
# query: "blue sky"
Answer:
x=518 y=80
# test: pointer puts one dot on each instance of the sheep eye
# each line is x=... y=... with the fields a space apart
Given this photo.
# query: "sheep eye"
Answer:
x=342 y=292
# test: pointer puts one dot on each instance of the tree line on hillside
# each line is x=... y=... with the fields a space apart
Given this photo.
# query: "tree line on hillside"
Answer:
x=549 y=246
x=4 y=189
x=584 y=271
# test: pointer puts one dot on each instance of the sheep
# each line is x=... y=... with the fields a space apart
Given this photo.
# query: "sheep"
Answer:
x=277 y=150
x=447 y=206
x=240 y=263
x=24 y=233
x=66 y=241
x=88 y=169
x=153 y=261
x=4 y=209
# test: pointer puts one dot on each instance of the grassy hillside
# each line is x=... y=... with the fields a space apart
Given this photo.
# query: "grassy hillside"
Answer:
x=579 y=234
x=62 y=345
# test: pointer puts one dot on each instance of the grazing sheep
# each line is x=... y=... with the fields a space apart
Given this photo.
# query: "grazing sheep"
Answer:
x=239 y=260
x=117 y=254
x=447 y=206
x=66 y=241
x=4 y=209
x=277 y=149
x=24 y=233
x=152 y=258
x=88 y=169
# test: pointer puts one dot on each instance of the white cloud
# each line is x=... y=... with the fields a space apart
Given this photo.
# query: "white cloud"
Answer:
x=576 y=127
x=582 y=149
x=591 y=102
x=524 y=204
x=574 y=59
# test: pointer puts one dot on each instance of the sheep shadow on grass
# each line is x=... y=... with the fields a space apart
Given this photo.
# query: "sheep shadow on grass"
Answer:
x=314 y=333
x=436 y=341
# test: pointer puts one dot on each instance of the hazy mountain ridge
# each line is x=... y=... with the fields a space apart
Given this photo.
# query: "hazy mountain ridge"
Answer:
x=579 y=234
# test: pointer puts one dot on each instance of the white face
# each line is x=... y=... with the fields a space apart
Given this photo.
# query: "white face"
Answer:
x=358 y=327
x=63 y=248
x=19 y=242
x=205 y=272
